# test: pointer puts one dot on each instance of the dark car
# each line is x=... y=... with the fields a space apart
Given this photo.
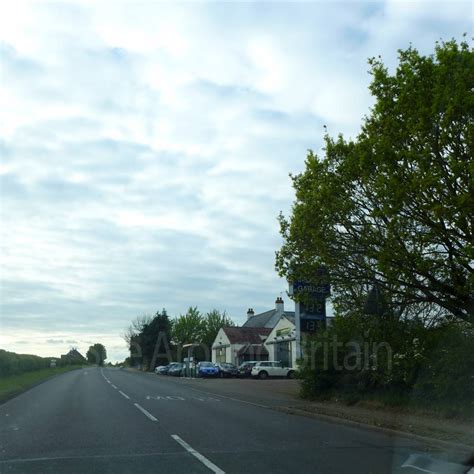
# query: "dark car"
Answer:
x=176 y=370
x=207 y=369
x=245 y=368
x=227 y=370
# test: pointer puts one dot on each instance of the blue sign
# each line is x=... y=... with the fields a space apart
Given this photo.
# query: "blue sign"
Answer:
x=315 y=291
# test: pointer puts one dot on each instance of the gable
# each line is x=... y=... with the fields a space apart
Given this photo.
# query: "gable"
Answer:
x=221 y=338
x=284 y=327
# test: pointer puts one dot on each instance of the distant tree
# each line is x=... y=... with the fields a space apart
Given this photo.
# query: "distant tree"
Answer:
x=96 y=354
x=189 y=327
x=396 y=205
x=213 y=321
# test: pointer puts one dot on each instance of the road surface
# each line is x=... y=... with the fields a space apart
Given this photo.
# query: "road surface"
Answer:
x=109 y=420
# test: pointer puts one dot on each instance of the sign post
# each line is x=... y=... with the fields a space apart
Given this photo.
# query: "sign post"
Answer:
x=310 y=308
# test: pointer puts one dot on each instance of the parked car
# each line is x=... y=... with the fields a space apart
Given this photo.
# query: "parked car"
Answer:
x=163 y=369
x=207 y=369
x=227 y=370
x=267 y=369
x=176 y=370
x=245 y=368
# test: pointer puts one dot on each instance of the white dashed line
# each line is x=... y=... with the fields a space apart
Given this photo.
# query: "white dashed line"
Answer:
x=124 y=394
x=146 y=413
x=197 y=455
x=114 y=386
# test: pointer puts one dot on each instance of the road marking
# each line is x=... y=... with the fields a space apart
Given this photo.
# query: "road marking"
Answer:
x=124 y=394
x=231 y=398
x=146 y=413
x=197 y=455
x=114 y=386
x=176 y=397
x=108 y=381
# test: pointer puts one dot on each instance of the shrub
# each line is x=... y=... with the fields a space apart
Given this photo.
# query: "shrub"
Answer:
x=398 y=361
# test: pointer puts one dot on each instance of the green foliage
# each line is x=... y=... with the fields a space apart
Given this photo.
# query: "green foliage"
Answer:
x=389 y=215
x=12 y=363
x=96 y=354
x=402 y=362
x=189 y=327
x=396 y=204
x=447 y=373
x=213 y=321
x=158 y=340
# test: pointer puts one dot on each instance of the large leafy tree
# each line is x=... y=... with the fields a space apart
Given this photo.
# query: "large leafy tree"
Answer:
x=396 y=205
x=96 y=354
x=188 y=328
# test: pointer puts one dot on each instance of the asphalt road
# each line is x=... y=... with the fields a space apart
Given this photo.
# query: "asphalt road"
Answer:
x=110 y=420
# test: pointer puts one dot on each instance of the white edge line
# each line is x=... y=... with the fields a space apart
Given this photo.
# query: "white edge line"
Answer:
x=197 y=455
x=146 y=413
x=124 y=394
x=230 y=398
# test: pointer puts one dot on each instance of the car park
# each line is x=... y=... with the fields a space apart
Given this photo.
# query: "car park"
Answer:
x=227 y=370
x=266 y=369
x=207 y=369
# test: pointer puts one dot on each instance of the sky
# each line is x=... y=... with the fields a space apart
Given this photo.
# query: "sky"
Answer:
x=146 y=147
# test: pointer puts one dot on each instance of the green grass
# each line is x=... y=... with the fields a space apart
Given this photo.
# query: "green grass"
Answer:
x=15 y=384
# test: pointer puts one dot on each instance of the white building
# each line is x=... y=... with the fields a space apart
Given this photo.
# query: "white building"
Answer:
x=281 y=342
x=238 y=344
x=265 y=336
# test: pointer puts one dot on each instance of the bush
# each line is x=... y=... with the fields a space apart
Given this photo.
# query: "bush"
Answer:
x=399 y=361
x=12 y=363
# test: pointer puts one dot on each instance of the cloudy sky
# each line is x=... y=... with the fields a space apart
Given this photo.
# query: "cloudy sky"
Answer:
x=146 y=146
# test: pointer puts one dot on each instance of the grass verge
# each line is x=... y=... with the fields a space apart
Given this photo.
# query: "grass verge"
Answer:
x=15 y=384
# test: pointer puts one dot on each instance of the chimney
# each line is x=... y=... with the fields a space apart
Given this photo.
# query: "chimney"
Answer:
x=250 y=313
x=279 y=305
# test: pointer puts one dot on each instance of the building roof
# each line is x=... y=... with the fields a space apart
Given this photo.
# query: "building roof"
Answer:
x=253 y=350
x=73 y=354
x=268 y=319
x=246 y=335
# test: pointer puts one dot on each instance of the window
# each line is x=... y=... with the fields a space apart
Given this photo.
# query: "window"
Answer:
x=220 y=354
